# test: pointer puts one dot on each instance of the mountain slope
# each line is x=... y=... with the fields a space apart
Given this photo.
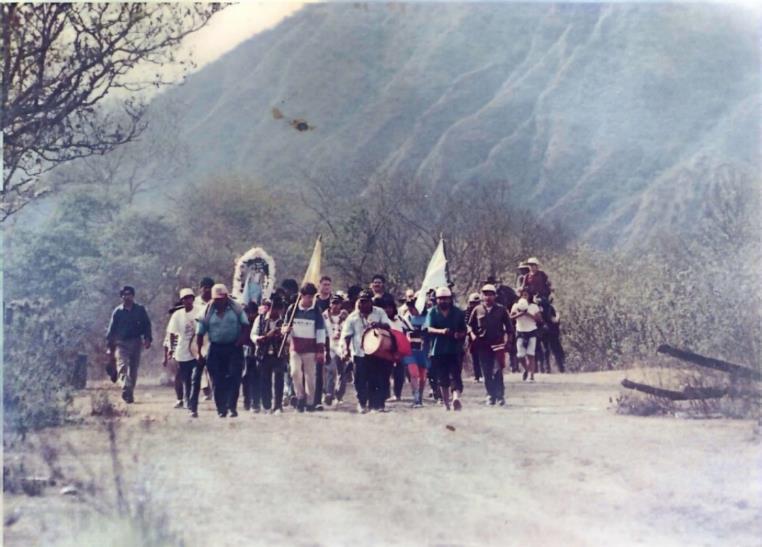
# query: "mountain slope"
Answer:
x=591 y=113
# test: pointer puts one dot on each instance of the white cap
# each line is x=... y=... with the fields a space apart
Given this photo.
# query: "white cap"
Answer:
x=533 y=260
x=186 y=292
x=474 y=297
x=489 y=287
x=443 y=292
x=522 y=304
x=219 y=290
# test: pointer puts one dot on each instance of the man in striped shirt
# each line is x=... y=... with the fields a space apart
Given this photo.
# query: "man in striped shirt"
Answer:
x=307 y=346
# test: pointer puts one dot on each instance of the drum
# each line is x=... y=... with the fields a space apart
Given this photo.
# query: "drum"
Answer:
x=378 y=343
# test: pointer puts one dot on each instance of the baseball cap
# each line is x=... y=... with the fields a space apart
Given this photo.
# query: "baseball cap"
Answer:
x=219 y=291
x=474 y=297
x=489 y=288
x=443 y=292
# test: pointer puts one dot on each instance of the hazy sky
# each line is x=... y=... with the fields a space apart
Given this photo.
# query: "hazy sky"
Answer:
x=235 y=24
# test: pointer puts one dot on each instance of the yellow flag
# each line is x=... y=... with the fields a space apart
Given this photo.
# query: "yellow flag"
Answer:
x=313 y=270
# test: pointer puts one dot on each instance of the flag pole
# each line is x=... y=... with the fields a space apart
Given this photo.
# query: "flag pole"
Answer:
x=299 y=298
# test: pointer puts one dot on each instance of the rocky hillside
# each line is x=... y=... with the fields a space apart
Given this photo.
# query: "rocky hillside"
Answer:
x=612 y=118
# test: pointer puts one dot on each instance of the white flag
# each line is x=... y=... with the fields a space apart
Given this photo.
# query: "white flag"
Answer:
x=436 y=276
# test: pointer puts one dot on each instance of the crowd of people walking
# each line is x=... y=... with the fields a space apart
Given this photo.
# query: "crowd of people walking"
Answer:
x=304 y=346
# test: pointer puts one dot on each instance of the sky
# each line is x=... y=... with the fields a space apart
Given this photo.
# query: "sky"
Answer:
x=234 y=25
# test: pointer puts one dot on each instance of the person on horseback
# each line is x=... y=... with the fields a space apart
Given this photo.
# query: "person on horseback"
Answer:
x=537 y=283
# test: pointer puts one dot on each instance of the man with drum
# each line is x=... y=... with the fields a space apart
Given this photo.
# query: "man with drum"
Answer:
x=369 y=371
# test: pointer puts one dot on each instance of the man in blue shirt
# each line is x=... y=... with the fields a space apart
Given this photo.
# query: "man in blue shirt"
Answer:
x=128 y=332
x=222 y=321
x=446 y=326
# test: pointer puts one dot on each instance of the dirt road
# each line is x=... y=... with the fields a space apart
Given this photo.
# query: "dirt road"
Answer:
x=556 y=466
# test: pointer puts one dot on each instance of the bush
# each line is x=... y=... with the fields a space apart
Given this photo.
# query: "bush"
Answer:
x=37 y=362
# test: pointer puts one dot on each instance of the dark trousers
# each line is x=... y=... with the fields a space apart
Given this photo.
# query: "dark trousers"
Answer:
x=318 y=399
x=493 y=374
x=179 y=383
x=379 y=371
x=343 y=370
x=361 y=380
x=554 y=343
x=185 y=377
x=433 y=384
x=271 y=371
x=250 y=383
x=225 y=362
x=398 y=376
x=196 y=374
x=475 y=363
x=447 y=370
x=371 y=381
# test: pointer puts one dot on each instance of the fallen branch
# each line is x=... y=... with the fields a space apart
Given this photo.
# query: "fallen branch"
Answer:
x=687 y=394
x=708 y=362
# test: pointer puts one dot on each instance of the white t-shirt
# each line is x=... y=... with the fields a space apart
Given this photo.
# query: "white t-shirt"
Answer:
x=183 y=324
x=526 y=323
x=333 y=331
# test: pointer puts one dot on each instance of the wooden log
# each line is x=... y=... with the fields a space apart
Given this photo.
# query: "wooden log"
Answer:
x=709 y=362
x=687 y=394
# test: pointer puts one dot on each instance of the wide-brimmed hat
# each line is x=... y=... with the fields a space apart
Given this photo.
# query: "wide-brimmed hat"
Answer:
x=186 y=292
x=533 y=260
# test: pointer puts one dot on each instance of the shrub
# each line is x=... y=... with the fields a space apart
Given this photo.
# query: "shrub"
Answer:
x=37 y=359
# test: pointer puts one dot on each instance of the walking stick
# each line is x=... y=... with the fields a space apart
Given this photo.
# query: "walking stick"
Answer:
x=289 y=325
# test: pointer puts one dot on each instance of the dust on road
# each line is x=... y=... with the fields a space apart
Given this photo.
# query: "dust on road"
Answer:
x=555 y=466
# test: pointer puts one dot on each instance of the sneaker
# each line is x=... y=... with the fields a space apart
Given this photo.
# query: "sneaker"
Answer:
x=447 y=408
x=328 y=400
x=418 y=404
x=234 y=414
x=457 y=405
x=255 y=410
x=194 y=414
x=318 y=407
x=524 y=377
x=222 y=414
x=293 y=401
x=300 y=405
x=310 y=408
x=178 y=404
x=276 y=412
x=207 y=398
